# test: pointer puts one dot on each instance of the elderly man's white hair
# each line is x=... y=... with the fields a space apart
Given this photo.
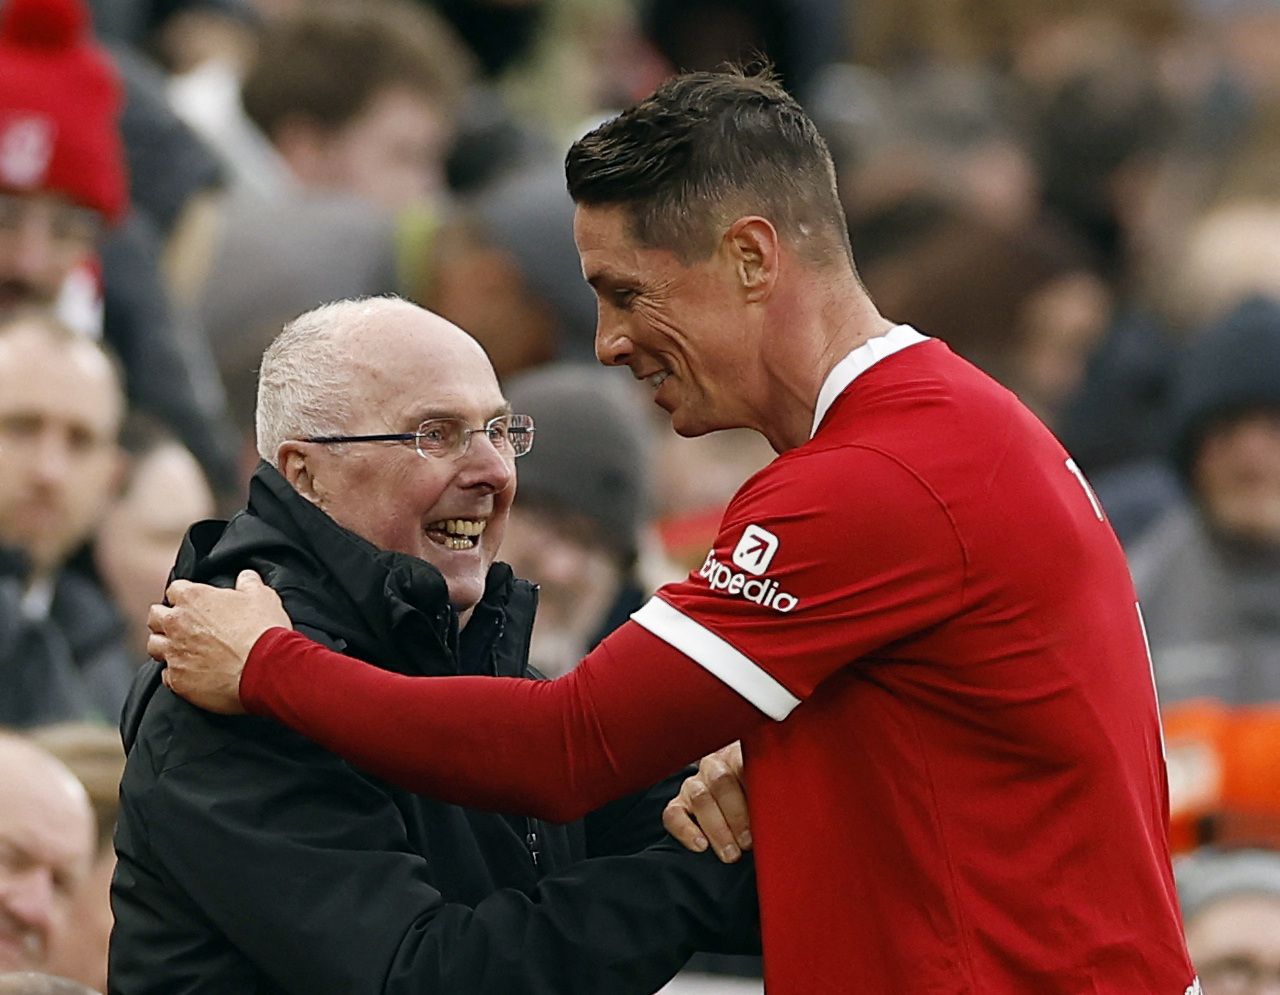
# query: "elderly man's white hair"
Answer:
x=305 y=377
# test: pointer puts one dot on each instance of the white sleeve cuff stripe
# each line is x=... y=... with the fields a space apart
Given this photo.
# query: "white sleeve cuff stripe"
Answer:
x=717 y=657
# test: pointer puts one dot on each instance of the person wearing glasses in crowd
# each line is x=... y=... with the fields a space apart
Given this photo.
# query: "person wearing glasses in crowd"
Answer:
x=917 y=618
x=253 y=860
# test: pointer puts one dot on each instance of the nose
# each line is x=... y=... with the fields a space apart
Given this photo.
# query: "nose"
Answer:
x=613 y=346
x=485 y=466
x=52 y=460
x=29 y=249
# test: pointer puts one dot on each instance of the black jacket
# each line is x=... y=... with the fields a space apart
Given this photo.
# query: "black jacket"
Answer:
x=251 y=860
x=69 y=664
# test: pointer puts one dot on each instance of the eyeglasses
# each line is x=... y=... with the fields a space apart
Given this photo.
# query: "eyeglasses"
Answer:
x=449 y=438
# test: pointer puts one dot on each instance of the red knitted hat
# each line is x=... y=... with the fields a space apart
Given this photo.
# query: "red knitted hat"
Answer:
x=59 y=107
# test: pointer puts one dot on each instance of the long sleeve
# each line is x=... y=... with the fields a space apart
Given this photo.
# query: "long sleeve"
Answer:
x=633 y=712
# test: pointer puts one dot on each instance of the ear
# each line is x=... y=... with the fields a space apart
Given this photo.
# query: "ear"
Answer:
x=297 y=468
x=752 y=243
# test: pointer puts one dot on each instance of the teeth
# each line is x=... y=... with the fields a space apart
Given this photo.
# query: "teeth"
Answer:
x=460 y=533
x=655 y=381
x=458 y=526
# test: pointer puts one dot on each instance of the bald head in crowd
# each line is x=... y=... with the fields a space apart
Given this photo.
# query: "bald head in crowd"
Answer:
x=46 y=846
x=61 y=405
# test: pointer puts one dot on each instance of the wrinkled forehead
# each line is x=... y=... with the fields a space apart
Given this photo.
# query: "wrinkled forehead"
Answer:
x=424 y=372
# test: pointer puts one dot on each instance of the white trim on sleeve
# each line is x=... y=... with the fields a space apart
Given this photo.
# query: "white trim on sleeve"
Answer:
x=717 y=657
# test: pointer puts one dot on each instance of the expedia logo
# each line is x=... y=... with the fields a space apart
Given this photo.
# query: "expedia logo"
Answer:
x=762 y=591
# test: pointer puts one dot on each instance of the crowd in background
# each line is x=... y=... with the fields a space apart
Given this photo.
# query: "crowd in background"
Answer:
x=1082 y=198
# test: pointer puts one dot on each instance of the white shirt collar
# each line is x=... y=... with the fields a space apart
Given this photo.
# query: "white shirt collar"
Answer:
x=858 y=362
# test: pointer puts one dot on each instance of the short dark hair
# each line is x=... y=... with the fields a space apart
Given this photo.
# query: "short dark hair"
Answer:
x=328 y=63
x=704 y=149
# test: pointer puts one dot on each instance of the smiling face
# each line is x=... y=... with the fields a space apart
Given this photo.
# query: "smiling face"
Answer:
x=682 y=329
x=409 y=365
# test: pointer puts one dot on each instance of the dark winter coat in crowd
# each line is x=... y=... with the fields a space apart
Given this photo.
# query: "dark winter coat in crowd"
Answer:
x=1212 y=601
x=61 y=654
x=254 y=861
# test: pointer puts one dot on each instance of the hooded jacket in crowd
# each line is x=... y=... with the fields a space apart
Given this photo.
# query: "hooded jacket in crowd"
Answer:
x=1211 y=602
x=253 y=861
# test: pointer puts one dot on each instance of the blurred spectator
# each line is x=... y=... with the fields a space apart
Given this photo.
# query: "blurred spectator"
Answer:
x=1025 y=304
x=46 y=846
x=506 y=269
x=273 y=258
x=1231 y=909
x=60 y=412
x=94 y=754
x=581 y=508
x=62 y=182
x=957 y=135
x=695 y=478
x=359 y=98
x=1208 y=575
x=162 y=494
x=29 y=983
x=1231 y=252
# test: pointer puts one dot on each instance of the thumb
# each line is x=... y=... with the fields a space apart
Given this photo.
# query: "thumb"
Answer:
x=248 y=580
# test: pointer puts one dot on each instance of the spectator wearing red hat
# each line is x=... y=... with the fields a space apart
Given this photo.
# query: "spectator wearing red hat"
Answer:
x=61 y=160
x=63 y=187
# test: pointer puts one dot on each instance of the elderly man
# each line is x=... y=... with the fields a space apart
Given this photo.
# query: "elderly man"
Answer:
x=46 y=846
x=916 y=618
x=61 y=403
x=251 y=860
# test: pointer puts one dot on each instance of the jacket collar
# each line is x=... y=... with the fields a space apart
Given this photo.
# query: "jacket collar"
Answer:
x=386 y=607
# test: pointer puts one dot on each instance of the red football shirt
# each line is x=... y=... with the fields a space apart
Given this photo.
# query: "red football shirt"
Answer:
x=973 y=797
x=967 y=795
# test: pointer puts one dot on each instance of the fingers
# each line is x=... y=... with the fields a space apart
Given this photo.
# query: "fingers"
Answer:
x=704 y=808
x=158 y=648
x=677 y=822
x=727 y=799
x=248 y=580
x=157 y=617
x=176 y=592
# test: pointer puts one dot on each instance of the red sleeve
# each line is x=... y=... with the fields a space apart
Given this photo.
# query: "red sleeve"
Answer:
x=632 y=712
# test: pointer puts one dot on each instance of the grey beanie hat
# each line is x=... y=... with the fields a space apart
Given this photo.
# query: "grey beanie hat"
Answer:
x=591 y=454
x=1208 y=876
x=1232 y=366
x=530 y=214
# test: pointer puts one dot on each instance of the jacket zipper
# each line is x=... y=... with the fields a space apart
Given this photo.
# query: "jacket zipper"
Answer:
x=531 y=841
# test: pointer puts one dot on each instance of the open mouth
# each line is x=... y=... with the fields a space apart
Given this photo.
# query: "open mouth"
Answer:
x=656 y=380
x=456 y=533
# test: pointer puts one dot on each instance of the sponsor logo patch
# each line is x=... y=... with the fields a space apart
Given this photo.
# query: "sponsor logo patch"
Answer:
x=755 y=550
x=754 y=553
